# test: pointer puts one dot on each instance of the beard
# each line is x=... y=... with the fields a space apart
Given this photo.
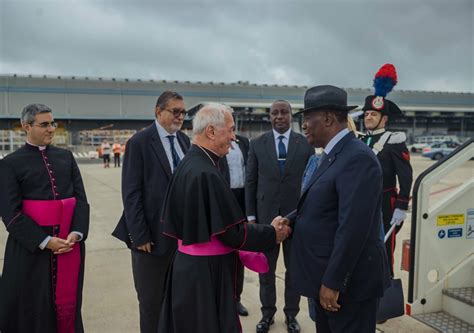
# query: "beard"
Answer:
x=175 y=127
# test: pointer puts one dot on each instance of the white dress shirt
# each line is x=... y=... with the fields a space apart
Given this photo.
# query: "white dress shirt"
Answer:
x=235 y=160
x=338 y=137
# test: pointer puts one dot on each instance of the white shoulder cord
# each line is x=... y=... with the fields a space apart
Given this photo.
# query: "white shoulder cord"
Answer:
x=378 y=146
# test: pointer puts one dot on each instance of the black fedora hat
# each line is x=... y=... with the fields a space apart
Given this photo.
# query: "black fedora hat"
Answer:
x=325 y=97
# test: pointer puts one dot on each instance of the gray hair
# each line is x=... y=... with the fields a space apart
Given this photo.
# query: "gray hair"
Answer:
x=210 y=114
x=30 y=111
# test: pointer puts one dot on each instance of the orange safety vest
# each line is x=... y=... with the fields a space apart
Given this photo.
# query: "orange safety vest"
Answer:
x=117 y=148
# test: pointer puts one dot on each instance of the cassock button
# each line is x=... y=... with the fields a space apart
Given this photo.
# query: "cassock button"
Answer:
x=53 y=179
x=56 y=194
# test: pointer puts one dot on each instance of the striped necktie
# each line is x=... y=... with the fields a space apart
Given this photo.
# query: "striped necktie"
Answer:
x=174 y=153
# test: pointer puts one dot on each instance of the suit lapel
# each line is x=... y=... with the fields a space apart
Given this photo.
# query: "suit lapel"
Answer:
x=329 y=160
x=270 y=148
x=159 y=150
x=320 y=171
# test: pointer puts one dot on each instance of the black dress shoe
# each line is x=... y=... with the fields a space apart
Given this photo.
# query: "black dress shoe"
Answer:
x=292 y=325
x=264 y=324
x=242 y=310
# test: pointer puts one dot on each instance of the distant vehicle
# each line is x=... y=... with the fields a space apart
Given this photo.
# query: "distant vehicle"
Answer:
x=427 y=140
x=437 y=151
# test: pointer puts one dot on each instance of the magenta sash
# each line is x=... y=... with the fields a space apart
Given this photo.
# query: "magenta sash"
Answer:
x=255 y=261
x=60 y=212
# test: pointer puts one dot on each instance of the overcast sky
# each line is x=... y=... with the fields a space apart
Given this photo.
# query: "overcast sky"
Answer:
x=273 y=42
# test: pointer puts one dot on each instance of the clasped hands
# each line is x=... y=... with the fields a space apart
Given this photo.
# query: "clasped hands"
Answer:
x=282 y=228
x=60 y=245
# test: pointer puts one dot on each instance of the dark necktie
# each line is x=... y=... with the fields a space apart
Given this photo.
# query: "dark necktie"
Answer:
x=281 y=154
x=174 y=153
x=313 y=162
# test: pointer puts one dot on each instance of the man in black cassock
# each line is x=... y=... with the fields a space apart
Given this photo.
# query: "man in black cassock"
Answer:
x=44 y=208
x=201 y=211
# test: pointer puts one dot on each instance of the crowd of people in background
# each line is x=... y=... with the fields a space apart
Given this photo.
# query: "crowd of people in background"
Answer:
x=105 y=150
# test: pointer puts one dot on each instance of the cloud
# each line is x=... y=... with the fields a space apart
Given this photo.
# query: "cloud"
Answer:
x=273 y=42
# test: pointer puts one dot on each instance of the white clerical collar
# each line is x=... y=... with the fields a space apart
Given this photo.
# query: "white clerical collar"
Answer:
x=286 y=134
x=377 y=131
x=39 y=147
x=333 y=142
x=161 y=130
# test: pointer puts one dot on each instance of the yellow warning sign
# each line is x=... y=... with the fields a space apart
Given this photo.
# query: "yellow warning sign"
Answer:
x=452 y=219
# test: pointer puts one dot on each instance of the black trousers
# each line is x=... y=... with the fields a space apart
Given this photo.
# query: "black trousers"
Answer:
x=239 y=194
x=117 y=160
x=149 y=275
x=357 y=317
x=268 y=288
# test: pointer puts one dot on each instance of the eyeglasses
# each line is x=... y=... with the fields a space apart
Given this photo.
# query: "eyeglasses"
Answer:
x=177 y=112
x=45 y=125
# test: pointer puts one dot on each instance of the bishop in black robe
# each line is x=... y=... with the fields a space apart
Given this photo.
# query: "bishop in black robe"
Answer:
x=48 y=175
x=199 y=209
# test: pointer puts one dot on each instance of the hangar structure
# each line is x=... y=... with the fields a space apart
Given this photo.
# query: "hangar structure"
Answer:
x=86 y=103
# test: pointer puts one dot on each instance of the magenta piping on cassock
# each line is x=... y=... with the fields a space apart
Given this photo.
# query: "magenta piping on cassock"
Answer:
x=13 y=219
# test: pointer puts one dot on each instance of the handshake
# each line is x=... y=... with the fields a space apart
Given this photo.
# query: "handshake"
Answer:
x=282 y=228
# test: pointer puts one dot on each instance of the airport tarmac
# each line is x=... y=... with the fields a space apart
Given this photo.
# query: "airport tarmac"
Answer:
x=109 y=299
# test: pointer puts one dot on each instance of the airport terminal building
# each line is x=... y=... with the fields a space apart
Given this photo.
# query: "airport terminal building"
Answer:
x=89 y=109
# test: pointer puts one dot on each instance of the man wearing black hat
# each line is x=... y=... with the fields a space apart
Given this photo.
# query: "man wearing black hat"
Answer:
x=393 y=155
x=337 y=254
x=275 y=167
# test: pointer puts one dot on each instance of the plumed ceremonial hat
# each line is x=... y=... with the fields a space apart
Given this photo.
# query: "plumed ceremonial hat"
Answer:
x=384 y=81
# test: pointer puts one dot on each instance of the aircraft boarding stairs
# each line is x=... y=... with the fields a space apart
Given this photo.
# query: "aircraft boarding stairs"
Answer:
x=441 y=274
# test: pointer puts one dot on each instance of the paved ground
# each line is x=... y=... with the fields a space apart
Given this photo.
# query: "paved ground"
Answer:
x=109 y=298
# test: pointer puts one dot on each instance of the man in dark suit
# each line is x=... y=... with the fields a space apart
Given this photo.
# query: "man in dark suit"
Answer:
x=275 y=167
x=338 y=255
x=233 y=169
x=151 y=156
